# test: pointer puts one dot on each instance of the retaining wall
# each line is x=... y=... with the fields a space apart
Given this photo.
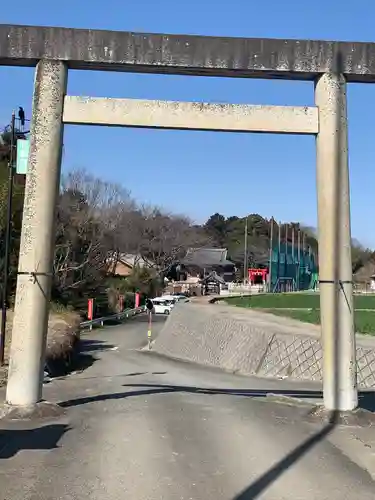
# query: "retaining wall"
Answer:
x=253 y=343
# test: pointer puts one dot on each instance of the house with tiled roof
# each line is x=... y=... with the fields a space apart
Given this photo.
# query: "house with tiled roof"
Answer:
x=124 y=263
x=201 y=262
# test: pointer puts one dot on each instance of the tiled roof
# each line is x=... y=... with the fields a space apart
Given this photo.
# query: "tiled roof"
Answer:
x=207 y=257
x=213 y=276
x=132 y=260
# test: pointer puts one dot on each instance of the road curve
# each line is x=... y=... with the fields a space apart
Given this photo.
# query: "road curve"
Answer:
x=138 y=426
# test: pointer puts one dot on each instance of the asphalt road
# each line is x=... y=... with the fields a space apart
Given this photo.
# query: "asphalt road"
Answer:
x=138 y=426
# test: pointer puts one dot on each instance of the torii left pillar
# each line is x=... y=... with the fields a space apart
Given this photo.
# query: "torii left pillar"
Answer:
x=30 y=324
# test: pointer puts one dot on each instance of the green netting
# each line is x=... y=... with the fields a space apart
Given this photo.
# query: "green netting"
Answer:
x=299 y=269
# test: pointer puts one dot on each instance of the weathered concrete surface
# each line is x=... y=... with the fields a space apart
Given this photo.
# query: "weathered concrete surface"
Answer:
x=335 y=244
x=190 y=115
x=186 y=54
x=35 y=266
x=138 y=426
x=253 y=343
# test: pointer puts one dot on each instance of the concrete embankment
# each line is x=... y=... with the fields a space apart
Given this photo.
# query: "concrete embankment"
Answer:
x=253 y=343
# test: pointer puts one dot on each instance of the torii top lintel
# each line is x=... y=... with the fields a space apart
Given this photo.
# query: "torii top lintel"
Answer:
x=186 y=54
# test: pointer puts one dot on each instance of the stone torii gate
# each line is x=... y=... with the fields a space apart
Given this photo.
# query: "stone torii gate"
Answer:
x=56 y=50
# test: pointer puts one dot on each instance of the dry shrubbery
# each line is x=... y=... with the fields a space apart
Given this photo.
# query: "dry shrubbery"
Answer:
x=63 y=334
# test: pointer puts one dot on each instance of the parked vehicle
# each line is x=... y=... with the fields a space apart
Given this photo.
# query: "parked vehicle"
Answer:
x=162 y=305
x=176 y=297
x=180 y=297
x=169 y=297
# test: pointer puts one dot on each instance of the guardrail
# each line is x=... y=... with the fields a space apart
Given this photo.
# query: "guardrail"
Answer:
x=118 y=316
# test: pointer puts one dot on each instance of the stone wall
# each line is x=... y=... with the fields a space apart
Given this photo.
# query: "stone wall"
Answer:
x=252 y=343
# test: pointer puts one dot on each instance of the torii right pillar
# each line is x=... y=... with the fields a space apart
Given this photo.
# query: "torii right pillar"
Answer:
x=335 y=260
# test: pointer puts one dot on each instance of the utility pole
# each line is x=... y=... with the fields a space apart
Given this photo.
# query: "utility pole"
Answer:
x=286 y=245
x=245 y=255
x=298 y=256
x=279 y=252
x=270 y=256
x=293 y=243
x=286 y=238
x=8 y=235
x=293 y=259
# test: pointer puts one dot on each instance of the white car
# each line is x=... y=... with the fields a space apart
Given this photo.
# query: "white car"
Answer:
x=177 y=297
x=168 y=297
x=180 y=297
x=163 y=306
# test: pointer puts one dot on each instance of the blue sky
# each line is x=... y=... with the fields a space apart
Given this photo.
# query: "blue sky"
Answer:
x=199 y=173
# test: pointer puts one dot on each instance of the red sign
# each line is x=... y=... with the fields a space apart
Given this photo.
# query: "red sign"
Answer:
x=90 y=309
x=137 y=299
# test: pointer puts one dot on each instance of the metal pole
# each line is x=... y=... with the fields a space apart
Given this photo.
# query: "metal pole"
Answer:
x=279 y=251
x=286 y=238
x=8 y=236
x=245 y=255
x=298 y=256
x=335 y=260
x=299 y=245
x=149 y=330
x=302 y=266
x=286 y=252
x=293 y=243
x=34 y=280
x=270 y=256
x=293 y=259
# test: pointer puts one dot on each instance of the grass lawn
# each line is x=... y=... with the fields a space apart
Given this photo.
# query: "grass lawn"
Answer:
x=294 y=301
x=364 y=320
x=305 y=307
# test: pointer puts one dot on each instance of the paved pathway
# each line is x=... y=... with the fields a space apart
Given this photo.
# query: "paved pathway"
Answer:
x=139 y=426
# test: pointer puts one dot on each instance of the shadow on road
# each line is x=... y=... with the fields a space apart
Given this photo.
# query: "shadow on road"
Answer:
x=141 y=318
x=79 y=360
x=86 y=345
x=43 y=438
x=366 y=399
x=263 y=482
x=85 y=356
x=156 y=318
